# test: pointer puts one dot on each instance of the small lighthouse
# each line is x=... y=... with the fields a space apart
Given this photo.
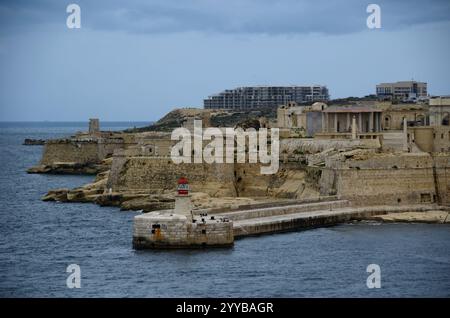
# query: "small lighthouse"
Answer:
x=183 y=204
x=179 y=228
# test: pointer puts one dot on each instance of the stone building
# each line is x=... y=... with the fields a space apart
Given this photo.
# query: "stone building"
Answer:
x=394 y=114
x=434 y=137
x=338 y=122
x=300 y=121
x=254 y=97
x=439 y=111
x=403 y=90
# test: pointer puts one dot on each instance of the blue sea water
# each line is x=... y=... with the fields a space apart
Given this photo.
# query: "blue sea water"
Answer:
x=38 y=240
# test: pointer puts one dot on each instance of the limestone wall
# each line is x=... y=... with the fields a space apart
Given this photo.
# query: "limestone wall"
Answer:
x=392 y=119
x=442 y=172
x=249 y=181
x=167 y=230
x=441 y=142
x=156 y=174
x=70 y=151
x=383 y=179
x=292 y=181
x=431 y=139
x=423 y=137
x=80 y=151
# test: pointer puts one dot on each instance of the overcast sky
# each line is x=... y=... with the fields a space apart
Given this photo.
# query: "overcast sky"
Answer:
x=136 y=60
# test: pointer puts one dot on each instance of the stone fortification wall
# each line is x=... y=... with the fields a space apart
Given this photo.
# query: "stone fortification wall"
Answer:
x=442 y=173
x=80 y=151
x=70 y=151
x=381 y=179
x=157 y=174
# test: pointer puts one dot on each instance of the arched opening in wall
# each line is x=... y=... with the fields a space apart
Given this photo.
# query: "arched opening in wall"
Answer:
x=338 y=128
x=387 y=122
x=420 y=120
x=446 y=119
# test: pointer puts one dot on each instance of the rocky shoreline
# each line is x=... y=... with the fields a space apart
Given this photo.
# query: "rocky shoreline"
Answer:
x=70 y=168
x=97 y=193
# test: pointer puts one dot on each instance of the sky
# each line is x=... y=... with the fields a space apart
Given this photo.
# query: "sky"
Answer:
x=136 y=60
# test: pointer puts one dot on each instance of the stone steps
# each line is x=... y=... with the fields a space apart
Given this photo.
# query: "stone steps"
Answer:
x=289 y=222
x=284 y=209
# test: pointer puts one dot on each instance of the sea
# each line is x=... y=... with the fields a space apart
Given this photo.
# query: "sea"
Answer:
x=39 y=241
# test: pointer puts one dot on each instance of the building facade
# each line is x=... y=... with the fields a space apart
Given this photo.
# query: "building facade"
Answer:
x=404 y=90
x=300 y=121
x=439 y=111
x=265 y=96
x=351 y=122
x=415 y=114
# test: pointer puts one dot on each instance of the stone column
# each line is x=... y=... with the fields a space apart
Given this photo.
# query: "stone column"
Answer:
x=335 y=122
x=323 y=121
x=377 y=122
x=405 y=135
x=360 y=123
x=371 y=122
x=354 y=127
x=347 y=124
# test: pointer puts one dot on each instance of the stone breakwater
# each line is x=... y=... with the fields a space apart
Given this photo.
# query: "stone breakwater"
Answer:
x=166 y=229
x=282 y=219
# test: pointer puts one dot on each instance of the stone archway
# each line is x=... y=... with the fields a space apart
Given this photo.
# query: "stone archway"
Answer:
x=420 y=120
x=446 y=119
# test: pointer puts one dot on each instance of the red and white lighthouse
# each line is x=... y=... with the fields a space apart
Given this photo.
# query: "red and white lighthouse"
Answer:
x=183 y=186
x=183 y=204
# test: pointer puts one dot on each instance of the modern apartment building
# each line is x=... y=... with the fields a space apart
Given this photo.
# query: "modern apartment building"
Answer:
x=265 y=96
x=405 y=90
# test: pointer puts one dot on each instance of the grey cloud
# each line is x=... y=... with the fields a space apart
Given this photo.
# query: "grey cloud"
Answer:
x=225 y=16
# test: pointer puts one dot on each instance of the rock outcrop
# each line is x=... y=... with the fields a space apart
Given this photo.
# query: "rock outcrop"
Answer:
x=71 y=168
x=33 y=142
